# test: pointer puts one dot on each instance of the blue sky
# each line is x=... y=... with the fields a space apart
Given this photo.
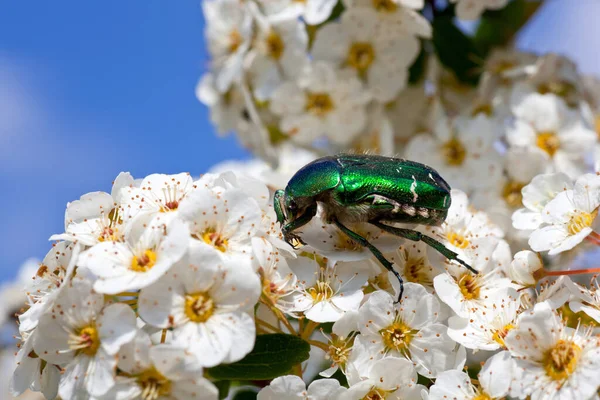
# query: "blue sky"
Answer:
x=88 y=89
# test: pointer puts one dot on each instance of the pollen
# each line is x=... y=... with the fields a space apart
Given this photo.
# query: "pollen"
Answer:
x=387 y=6
x=360 y=56
x=85 y=340
x=397 y=336
x=416 y=271
x=469 y=286
x=458 y=240
x=319 y=104
x=580 y=220
x=511 y=192
x=275 y=45
x=375 y=394
x=548 y=141
x=145 y=262
x=454 y=152
x=171 y=201
x=561 y=360
x=339 y=349
x=482 y=396
x=235 y=41
x=500 y=334
x=199 y=307
x=154 y=385
x=215 y=239
x=321 y=291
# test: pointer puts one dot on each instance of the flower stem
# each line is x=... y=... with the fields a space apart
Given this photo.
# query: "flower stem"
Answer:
x=163 y=337
x=321 y=345
x=267 y=325
x=308 y=330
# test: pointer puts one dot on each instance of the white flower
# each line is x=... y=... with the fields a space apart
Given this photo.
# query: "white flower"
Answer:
x=84 y=336
x=158 y=196
x=554 y=362
x=414 y=265
x=158 y=372
x=49 y=280
x=312 y=11
x=141 y=260
x=98 y=216
x=340 y=342
x=291 y=387
x=326 y=292
x=226 y=109
x=486 y=331
x=536 y=195
x=586 y=300
x=462 y=150
x=323 y=102
x=388 y=378
x=569 y=217
x=472 y=9
x=457 y=385
x=223 y=218
x=401 y=15
x=277 y=279
x=525 y=269
x=205 y=301
x=228 y=32
x=409 y=330
x=360 y=42
x=545 y=125
x=278 y=53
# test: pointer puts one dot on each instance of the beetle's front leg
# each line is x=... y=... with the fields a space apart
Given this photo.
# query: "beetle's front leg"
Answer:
x=365 y=243
x=416 y=236
x=302 y=220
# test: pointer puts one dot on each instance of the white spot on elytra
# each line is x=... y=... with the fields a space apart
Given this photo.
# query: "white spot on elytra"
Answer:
x=413 y=186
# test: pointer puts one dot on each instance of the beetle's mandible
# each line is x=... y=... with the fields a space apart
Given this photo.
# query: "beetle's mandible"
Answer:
x=367 y=188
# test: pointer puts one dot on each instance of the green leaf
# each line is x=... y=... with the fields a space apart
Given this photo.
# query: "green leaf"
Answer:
x=223 y=387
x=456 y=50
x=498 y=27
x=273 y=355
x=417 y=70
x=245 y=395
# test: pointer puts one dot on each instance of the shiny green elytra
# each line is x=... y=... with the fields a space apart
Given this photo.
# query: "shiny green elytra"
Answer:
x=366 y=188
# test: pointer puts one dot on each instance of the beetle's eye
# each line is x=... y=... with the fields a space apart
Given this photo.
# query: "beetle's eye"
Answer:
x=292 y=206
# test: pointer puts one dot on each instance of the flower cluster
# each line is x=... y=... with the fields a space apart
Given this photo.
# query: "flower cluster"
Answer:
x=164 y=287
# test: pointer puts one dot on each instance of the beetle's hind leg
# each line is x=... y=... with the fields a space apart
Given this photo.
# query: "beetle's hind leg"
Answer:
x=365 y=243
x=416 y=236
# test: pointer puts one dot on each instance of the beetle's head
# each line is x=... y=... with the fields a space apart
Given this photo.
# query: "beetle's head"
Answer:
x=286 y=207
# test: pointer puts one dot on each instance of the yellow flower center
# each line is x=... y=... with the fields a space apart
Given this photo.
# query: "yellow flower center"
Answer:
x=339 y=349
x=375 y=394
x=580 y=220
x=416 y=271
x=199 y=307
x=145 y=262
x=469 y=286
x=455 y=152
x=397 y=336
x=500 y=334
x=319 y=104
x=558 y=88
x=215 y=239
x=482 y=396
x=561 y=360
x=86 y=340
x=458 y=240
x=275 y=45
x=548 y=141
x=385 y=5
x=235 y=41
x=511 y=192
x=361 y=56
x=153 y=384
x=321 y=291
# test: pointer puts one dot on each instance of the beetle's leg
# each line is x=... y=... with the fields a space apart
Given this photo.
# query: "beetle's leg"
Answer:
x=418 y=236
x=365 y=243
x=302 y=220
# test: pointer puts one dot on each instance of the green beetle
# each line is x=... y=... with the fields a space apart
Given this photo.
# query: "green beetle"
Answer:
x=366 y=188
